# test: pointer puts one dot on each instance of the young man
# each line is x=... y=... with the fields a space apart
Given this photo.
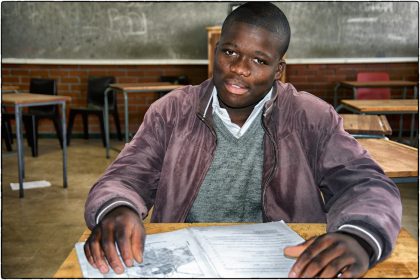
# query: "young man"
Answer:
x=243 y=147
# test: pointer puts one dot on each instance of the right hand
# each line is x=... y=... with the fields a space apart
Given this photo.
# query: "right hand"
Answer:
x=121 y=226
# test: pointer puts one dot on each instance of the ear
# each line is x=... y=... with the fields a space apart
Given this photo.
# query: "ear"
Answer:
x=215 y=47
x=281 y=66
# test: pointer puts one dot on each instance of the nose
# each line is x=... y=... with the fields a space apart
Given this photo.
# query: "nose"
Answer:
x=240 y=66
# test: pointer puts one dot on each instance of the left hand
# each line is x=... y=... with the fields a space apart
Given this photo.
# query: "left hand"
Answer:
x=328 y=256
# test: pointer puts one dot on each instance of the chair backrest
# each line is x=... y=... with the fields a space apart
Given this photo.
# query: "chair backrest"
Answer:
x=179 y=80
x=373 y=93
x=43 y=86
x=96 y=90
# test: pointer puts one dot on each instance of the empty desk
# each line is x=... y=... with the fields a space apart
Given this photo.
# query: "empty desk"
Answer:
x=366 y=125
x=30 y=100
x=386 y=107
x=399 y=161
x=354 y=85
x=130 y=88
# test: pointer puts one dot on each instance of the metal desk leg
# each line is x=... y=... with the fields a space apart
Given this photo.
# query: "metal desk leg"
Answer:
x=401 y=128
x=63 y=125
x=106 y=121
x=18 y=117
x=126 y=116
x=412 y=140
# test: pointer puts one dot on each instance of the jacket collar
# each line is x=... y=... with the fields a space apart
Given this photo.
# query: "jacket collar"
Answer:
x=205 y=109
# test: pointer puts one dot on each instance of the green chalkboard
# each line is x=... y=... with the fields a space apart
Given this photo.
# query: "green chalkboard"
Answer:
x=177 y=30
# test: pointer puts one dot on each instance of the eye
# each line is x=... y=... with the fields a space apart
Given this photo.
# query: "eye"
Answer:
x=260 y=61
x=229 y=52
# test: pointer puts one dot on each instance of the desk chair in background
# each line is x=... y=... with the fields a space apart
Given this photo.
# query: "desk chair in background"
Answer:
x=33 y=115
x=95 y=106
x=178 y=80
x=372 y=93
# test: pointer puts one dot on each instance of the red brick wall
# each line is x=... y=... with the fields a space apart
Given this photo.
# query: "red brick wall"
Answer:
x=318 y=79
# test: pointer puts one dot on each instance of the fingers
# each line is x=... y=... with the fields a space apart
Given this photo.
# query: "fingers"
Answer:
x=94 y=253
x=295 y=251
x=110 y=250
x=121 y=228
x=330 y=255
x=137 y=243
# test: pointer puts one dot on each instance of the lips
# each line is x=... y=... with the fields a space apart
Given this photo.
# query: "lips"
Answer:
x=236 y=87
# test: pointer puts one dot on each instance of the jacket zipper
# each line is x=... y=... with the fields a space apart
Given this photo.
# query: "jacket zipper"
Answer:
x=271 y=175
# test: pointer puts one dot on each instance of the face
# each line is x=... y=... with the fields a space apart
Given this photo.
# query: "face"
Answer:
x=247 y=62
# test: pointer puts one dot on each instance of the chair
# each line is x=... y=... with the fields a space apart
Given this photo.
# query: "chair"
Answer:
x=33 y=115
x=179 y=80
x=372 y=93
x=95 y=106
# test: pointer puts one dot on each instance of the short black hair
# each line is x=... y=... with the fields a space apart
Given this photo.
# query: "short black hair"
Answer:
x=265 y=15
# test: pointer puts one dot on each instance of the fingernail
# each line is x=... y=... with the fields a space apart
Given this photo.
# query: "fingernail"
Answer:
x=292 y=274
x=128 y=262
x=103 y=269
x=119 y=269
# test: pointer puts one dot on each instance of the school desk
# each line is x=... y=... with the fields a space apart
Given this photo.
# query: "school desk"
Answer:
x=9 y=89
x=130 y=88
x=386 y=107
x=19 y=101
x=376 y=126
x=403 y=262
x=399 y=161
x=354 y=85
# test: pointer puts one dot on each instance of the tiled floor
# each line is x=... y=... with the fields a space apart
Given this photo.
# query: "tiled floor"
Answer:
x=39 y=230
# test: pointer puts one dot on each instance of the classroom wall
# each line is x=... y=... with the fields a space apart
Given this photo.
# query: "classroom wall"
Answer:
x=318 y=79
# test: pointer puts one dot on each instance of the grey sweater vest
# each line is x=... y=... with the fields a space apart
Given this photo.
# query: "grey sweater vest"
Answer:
x=231 y=190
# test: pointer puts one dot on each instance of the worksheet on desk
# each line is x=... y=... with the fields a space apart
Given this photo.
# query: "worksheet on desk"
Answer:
x=166 y=255
x=248 y=251
x=240 y=251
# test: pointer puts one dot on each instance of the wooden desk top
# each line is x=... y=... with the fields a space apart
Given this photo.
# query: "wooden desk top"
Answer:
x=9 y=88
x=383 y=105
x=31 y=98
x=403 y=263
x=377 y=84
x=397 y=160
x=366 y=124
x=142 y=87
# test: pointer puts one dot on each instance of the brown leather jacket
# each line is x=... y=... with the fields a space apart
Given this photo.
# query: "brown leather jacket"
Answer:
x=314 y=171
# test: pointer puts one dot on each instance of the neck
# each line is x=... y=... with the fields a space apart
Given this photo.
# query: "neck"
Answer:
x=237 y=115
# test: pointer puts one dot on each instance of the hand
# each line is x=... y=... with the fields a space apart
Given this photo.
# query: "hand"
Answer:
x=123 y=226
x=328 y=256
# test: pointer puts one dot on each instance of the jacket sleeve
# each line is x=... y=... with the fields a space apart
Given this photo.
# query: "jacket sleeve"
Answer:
x=132 y=179
x=359 y=198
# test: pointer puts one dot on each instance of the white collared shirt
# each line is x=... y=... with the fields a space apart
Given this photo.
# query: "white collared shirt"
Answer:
x=235 y=129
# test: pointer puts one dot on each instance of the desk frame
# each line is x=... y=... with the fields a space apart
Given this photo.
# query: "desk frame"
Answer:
x=19 y=137
x=125 y=89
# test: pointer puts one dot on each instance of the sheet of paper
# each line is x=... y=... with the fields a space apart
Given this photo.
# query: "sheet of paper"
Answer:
x=166 y=255
x=242 y=251
x=31 y=185
x=254 y=250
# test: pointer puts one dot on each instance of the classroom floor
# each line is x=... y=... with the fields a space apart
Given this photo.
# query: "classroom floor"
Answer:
x=39 y=231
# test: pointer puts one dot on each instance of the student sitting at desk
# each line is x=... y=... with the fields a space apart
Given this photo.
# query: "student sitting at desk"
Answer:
x=244 y=147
